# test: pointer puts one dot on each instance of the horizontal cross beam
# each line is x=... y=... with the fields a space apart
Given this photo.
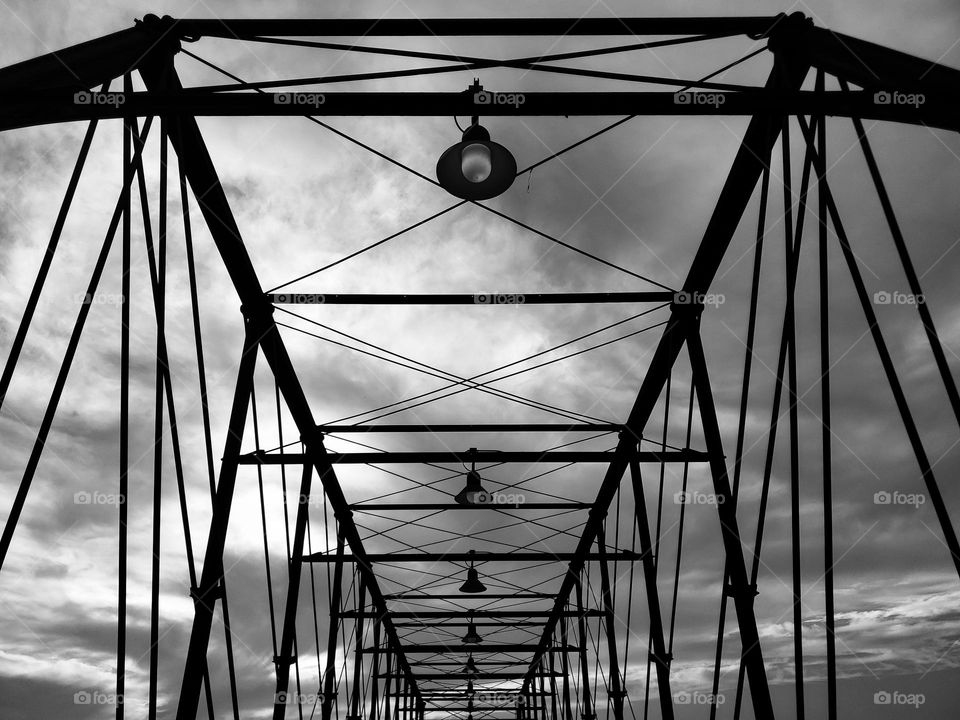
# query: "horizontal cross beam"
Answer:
x=484 y=708
x=432 y=614
x=469 y=676
x=510 y=456
x=434 y=625
x=463 y=596
x=459 y=663
x=20 y=110
x=479 y=298
x=398 y=507
x=469 y=27
x=471 y=428
x=440 y=693
x=471 y=557
x=479 y=649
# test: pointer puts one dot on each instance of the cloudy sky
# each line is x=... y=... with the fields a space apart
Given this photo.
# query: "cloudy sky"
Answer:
x=639 y=196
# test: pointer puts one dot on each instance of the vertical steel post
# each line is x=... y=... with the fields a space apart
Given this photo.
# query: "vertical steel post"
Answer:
x=826 y=438
x=582 y=653
x=375 y=670
x=330 y=674
x=565 y=662
x=357 y=649
x=553 y=686
x=205 y=596
x=615 y=692
x=661 y=659
x=124 y=411
x=288 y=637
x=386 y=684
x=740 y=588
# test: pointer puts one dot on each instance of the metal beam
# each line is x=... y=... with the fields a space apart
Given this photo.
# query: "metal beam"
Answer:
x=20 y=110
x=462 y=596
x=508 y=456
x=368 y=558
x=469 y=676
x=459 y=663
x=487 y=299
x=470 y=613
x=865 y=63
x=472 y=428
x=185 y=137
x=480 y=649
x=467 y=27
x=754 y=152
x=480 y=708
x=397 y=507
x=434 y=625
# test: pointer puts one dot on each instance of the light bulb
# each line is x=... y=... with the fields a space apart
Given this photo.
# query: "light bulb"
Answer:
x=475 y=162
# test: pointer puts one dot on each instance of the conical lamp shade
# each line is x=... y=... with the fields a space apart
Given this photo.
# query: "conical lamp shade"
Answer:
x=473 y=584
x=473 y=493
x=472 y=638
x=470 y=668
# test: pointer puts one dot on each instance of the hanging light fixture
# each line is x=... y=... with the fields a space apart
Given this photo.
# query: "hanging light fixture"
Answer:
x=476 y=168
x=472 y=637
x=473 y=493
x=472 y=584
x=471 y=667
x=470 y=693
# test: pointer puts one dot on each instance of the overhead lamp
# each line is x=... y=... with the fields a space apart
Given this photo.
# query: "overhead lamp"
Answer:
x=470 y=692
x=472 y=637
x=476 y=168
x=471 y=667
x=472 y=584
x=473 y=493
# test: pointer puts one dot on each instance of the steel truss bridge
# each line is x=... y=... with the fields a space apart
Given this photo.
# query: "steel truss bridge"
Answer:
x=555 y=647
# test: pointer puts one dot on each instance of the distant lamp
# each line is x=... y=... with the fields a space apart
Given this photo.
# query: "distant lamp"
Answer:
x=472 y=584
x=471 y=667
x=470 y=691
x=473 y=493
x=472 y=637
x=476 y=168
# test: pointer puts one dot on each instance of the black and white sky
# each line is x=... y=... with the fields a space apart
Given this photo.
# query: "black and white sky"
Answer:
x=639 y=196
